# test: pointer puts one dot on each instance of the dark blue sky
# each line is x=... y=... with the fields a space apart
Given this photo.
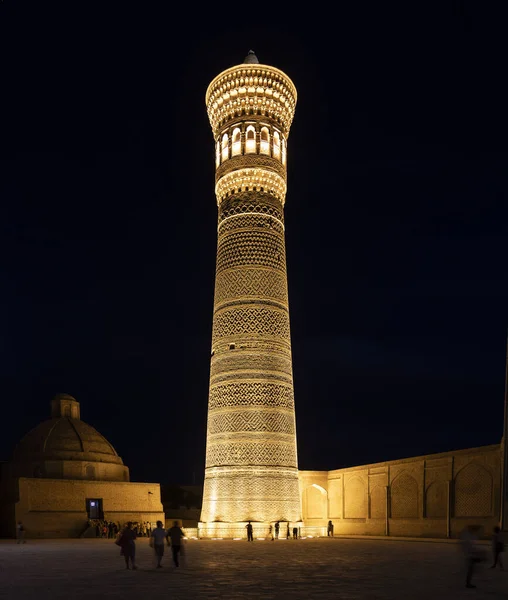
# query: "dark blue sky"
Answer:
x=396 y=222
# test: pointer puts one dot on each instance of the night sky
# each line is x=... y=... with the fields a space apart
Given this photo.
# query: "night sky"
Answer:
x=396 y=223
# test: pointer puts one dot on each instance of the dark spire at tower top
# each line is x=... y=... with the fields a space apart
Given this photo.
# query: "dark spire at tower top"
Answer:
x=251 y=58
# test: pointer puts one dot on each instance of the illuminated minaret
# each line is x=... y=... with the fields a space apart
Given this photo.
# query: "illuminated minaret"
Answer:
x=251 y=459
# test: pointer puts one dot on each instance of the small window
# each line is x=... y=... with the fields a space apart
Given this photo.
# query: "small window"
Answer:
x=264 y=147
x=225 y=149
x=276 y=145
x=236 y=147
x=250 y=140
x=232 y=346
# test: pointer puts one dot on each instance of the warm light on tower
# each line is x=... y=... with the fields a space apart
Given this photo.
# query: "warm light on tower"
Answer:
x=251 y=459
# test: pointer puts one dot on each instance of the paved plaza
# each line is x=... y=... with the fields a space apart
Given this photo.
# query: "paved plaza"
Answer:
x=338 y=568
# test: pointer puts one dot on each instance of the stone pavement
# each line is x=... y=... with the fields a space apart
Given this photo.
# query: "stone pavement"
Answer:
x=321 y=569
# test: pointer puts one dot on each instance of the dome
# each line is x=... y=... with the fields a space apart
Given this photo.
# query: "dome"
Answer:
x=66 y=447
x=251 y=58
x=64 y=438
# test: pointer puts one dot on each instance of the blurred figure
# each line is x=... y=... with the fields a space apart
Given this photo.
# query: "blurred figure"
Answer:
x=329 y=529
x=20 y=533
x=270 y=532
x=497 y=548
x=250 y=536
x=295 y=533
x=127 y=543
x=157 y=539
x=473 y=554
x=288 y=532
x=175 y=534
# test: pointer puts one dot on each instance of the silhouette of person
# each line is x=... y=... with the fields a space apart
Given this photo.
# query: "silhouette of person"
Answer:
x=277 y=527
x=295 y=533
x=472 y=552
x=127 y=543
x=250 y=537
x=288 y=533
x=175 y=534
x=270 y=532
x=157 y=538
x=497 y=548
x=329 y=529
x=20 y=533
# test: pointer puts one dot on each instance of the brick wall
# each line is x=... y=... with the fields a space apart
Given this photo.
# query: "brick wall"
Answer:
x=57 y=508
x=427 y=496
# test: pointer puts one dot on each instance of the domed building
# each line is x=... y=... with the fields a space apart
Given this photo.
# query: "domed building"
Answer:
x=64 y=472
x=65 y=447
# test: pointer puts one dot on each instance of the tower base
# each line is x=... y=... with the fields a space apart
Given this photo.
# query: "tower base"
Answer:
x=238 y=531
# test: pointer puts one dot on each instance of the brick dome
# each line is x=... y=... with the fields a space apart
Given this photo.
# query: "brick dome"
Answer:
x=67 y=447
x=64 y=438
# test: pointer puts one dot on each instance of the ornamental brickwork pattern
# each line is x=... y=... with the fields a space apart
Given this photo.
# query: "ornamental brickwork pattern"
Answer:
x=251 y=419
x=251 y=468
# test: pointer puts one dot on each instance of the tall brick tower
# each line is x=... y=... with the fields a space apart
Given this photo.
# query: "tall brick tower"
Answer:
x=251 y=459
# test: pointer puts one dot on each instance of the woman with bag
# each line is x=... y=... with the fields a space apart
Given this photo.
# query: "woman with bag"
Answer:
x=127 y=543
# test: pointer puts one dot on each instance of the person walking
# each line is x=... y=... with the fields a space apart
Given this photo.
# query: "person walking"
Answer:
x=277 y=528
x=288 y=532
x=270 y=532
x=20 y=533
x=157 y=539
x=295 y=533
x=250 y=536
x=497 y=548
x=175 y=534
x=127 y=543
x=472 y=552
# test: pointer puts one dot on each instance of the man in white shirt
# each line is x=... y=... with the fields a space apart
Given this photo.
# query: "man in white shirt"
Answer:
x=157 y=539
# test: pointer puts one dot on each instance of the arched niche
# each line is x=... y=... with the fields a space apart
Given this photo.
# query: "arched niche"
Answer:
x=264 y=141
x=404 y=497
x=355 y=506
x=224 y=146
x=276 y=145
x=378 y=502
x=250 y=140
x=473 y=491
x=236 y=146
x=315 y=502
x=436 y=500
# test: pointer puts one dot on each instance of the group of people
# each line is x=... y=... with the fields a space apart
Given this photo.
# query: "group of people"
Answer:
x=273 y=531
x=103 y=528
x=110 y=529
x=159 y=538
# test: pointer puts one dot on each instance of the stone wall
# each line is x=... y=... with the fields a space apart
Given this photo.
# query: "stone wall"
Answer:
x=427 y=496
x=57 y=508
